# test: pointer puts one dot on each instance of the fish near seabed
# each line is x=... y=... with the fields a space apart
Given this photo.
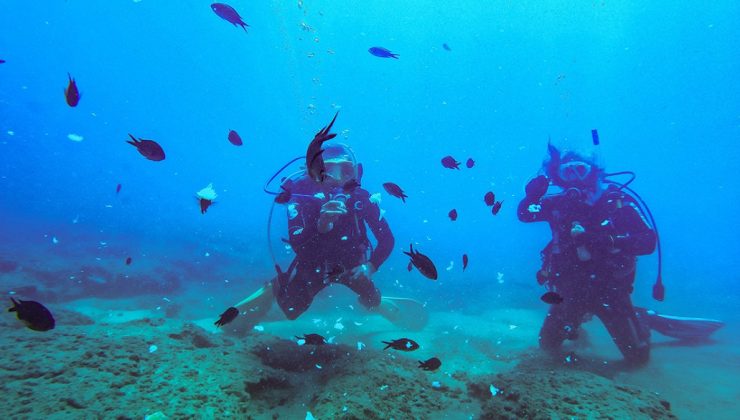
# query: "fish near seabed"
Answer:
x=33 y=314
x=402 y=344
x=551 y=298
x=312 y=339
x=430 y=365
x=314 y=159
x=234 y=138
x=206 y=196
x=449 y=162
x=395 y=191
x=150 y=149
x=382 y=52
x=71 y=93
x=489 y=198
x=422 y=263
x=229 y=14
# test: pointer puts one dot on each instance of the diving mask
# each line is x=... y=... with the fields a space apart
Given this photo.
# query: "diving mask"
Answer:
x=576 y=171
x=339 y=170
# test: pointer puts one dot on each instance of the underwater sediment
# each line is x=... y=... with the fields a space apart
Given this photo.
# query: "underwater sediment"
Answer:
x=141 y=367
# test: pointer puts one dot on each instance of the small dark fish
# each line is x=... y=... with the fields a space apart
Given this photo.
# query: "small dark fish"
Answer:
x=449 y=162
x=33 y=314
x=403 y=344
x=595 y=137
x=71 y=93
x=312 y=339
x=118 y=188
x=226 y=317
x=2 y=61
x=422 y=263
x=430 y=365
x=314 y=160
x=410 y=266
x=284 y=195
x=234 y=138
x=204 y=204
x=148 y=148
x=227 y=13
x=350 y=185
x=446 y=47
x=395 y=191
x=470 y=163
x=128 y=261
x=382 y=52
x=496 y=207
x=551 y=298
x=489 y=198
x=465 y=261
x=452 y=214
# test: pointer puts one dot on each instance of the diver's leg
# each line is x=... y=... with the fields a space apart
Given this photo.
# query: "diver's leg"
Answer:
x=562 y=322
x=369 y=295
x=296 y=297
x=629 y=331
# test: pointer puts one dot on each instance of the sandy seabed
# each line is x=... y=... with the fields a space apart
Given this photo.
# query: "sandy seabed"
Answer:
x=107 y=359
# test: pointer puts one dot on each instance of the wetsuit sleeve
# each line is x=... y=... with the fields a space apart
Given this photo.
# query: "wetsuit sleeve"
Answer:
x=539 y=210
x=303 y=212
x=632 y=233
x=381 y=231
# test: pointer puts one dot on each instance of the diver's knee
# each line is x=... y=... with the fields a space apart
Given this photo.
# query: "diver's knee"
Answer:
x=371 y=300
x=292 y=313
x=637 y=356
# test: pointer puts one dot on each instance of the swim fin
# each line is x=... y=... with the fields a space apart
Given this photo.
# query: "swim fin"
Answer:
x=404 y=313
x=681 y=328
x=256 y=305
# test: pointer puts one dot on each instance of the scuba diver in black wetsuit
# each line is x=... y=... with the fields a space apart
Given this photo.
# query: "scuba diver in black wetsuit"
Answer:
x=598 y=230
x=597 y=234
x=327 y=229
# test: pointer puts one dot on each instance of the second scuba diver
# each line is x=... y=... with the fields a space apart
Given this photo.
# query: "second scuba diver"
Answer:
x=589 y=265
x=597 y=234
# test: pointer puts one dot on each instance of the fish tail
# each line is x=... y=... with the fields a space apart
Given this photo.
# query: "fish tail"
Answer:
x=389 y=344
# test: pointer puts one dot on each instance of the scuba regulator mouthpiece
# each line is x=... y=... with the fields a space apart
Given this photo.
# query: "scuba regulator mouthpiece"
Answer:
x=574 y=193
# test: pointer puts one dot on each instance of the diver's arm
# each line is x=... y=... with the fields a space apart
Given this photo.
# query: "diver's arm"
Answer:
x=535 y=207
x=303 y=213
x=632 y=233
x=382 y=232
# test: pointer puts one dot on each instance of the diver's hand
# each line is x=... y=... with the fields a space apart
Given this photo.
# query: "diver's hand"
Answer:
x=576 y=230
x=591 y=239
x=537 y=187
x=330 y=212
x=226 y=317
x=363 y=271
